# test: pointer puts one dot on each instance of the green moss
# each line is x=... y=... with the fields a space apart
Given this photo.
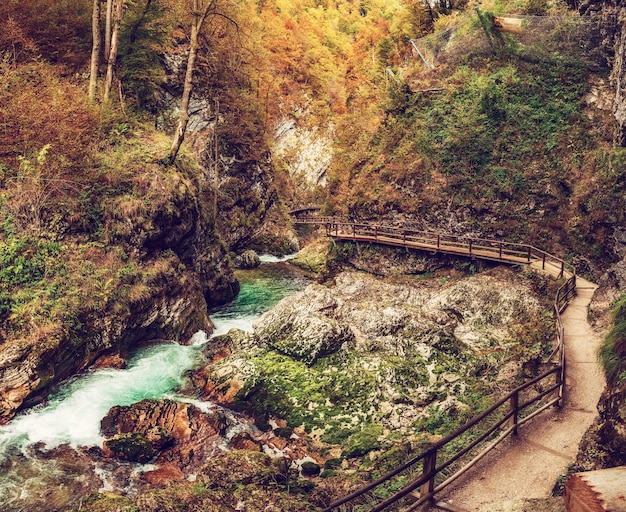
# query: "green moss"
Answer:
x=365 y=441
x=331 y=393
x=613 y=349
x=310 y=469
x=133 y=447
x=104 y=502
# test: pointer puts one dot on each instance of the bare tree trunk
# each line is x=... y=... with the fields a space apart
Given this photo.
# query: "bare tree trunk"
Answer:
x=117 y=22
x=107 y=30
x=95 y=49
x=196 y=26
x=216 y=176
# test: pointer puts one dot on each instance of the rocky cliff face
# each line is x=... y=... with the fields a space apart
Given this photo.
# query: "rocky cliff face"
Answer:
x=610 y=16
x=604 y=444
x=167 y=268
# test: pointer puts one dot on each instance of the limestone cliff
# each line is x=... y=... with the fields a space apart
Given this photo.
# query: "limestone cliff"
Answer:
x=154 y=275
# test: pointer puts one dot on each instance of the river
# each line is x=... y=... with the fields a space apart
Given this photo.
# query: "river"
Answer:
x=72 y=414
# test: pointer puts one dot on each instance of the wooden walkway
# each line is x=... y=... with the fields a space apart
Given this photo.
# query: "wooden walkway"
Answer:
x=492 y=250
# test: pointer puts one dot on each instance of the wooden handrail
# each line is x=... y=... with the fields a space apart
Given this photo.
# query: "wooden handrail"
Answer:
x=495 y=250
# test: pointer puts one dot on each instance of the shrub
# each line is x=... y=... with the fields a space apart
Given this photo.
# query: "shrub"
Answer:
x=613 y=349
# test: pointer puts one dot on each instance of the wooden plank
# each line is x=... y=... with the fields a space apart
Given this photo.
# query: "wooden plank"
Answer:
x=510 y=25
x=596 y=491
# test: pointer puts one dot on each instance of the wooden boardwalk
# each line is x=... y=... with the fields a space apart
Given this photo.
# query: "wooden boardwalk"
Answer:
x=492 y=250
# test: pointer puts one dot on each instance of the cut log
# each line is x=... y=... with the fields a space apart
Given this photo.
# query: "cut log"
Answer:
x=596 y=491
x=511 y=25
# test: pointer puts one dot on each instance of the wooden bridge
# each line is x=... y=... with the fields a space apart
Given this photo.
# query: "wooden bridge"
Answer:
x=418 y=480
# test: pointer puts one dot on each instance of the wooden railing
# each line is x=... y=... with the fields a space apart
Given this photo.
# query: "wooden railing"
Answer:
x=432 y=470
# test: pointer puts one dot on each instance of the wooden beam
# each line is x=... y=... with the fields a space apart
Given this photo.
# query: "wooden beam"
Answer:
x=510 y=25
x=596 y=491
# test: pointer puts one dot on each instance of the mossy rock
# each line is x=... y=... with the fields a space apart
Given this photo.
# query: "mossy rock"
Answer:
x=332 y=463
x=313 y=257
x=100 y=502
x=248 y=259
x=363 y=442
x=310 y=468
x=284 y=432
x=132 y=447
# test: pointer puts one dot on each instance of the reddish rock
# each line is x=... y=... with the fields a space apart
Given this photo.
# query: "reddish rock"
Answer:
x=163 y=475
x=110 y=361
x=243 y=441
x=182 y=432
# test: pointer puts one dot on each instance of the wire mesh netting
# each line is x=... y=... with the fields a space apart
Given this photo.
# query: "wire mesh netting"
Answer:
x=582 y=37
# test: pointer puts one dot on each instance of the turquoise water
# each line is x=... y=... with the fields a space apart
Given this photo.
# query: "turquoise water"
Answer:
x=72 y=414
x=261 y=289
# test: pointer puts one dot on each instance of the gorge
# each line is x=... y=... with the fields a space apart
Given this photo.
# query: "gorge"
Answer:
x=107 y=251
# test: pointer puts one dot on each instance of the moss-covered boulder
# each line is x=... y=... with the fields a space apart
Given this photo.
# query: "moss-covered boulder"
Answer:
x=132 y=447
x=409 y=354
x=304 y=329
x=248 y=259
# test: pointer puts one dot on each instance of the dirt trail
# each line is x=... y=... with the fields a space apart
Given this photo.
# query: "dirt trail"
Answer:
x=528 y=466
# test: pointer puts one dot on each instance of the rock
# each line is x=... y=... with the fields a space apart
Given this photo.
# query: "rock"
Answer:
x=309 y=468
x=336 y=358
x=181 y=432
x=132 y=447
x=302 y=329
x=110 y=361
x=305 y=338
x=243 y=441
x=248 y=259
x=163 y=475
x=307 y=152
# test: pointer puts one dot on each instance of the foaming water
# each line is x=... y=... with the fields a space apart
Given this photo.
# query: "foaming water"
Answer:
x=270 y=258
x=72 y=415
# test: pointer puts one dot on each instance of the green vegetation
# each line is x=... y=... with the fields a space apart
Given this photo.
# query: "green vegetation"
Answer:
x=613 y=349
x=224 y=482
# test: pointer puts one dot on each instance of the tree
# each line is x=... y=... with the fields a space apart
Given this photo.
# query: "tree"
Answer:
x=118 y=12
x=200 y=13
x=113 y=21
x=95 y=49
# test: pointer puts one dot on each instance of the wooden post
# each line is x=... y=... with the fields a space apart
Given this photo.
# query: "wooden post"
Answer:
x=438 y=241
x=561 y=383
x=515 y=410
x=543 y=264
x=500 y=250
x=429 y=466
x=529 y=254
x=483 y=24
x=376 y=232
x=470 y=247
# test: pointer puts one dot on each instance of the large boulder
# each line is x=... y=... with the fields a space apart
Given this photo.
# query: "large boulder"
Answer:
x=180 y=432
x=390 y=351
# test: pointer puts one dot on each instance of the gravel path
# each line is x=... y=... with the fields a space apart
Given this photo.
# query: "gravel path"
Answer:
x=528 y=466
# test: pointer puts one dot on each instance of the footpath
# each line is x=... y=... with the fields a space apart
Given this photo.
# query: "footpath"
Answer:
x=528 y=466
